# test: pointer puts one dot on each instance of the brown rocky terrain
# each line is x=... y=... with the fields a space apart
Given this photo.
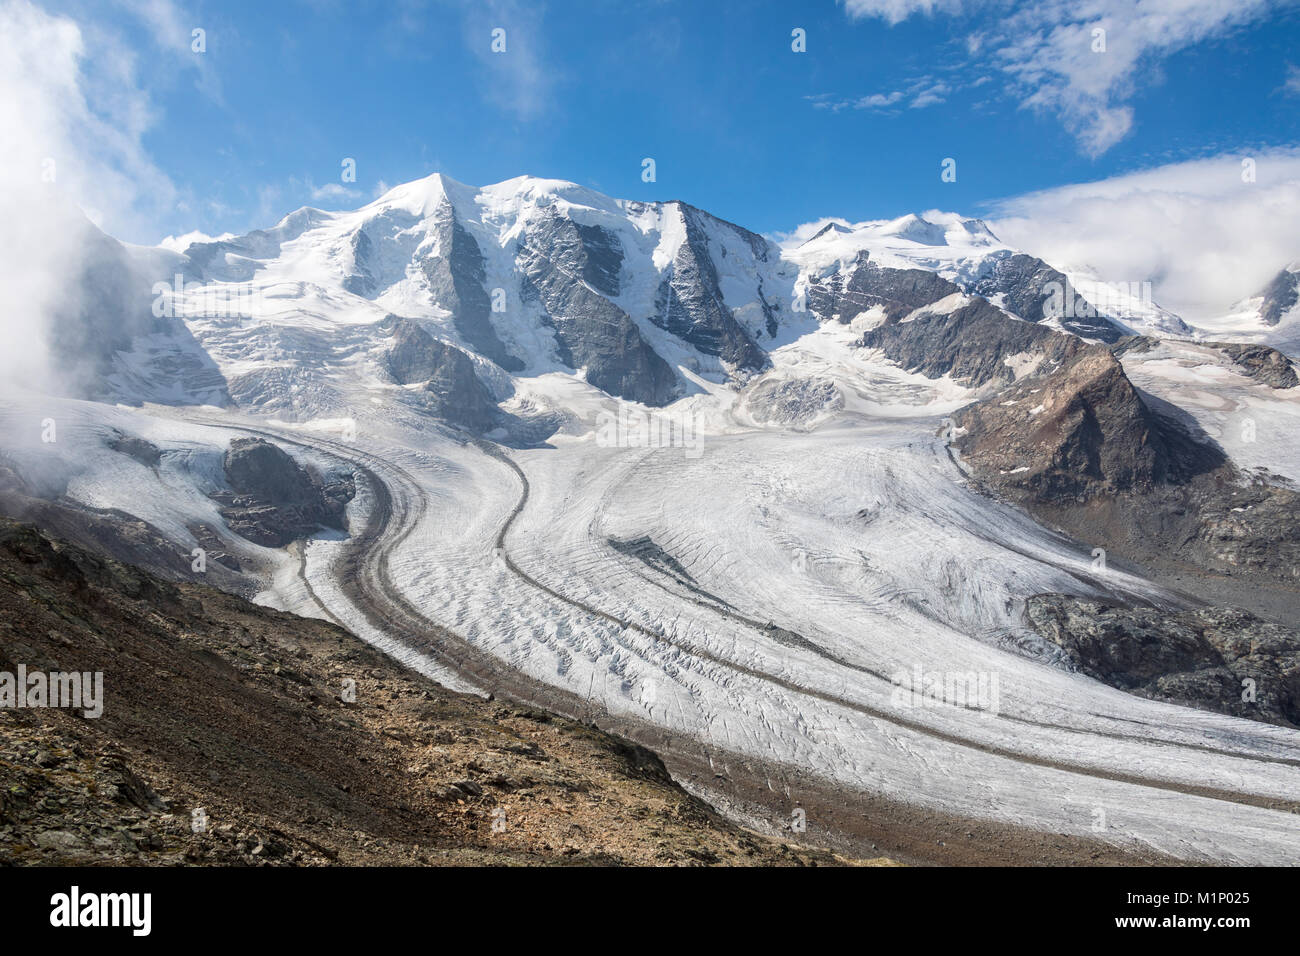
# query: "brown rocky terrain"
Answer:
x=216 y=704
x=972 y=344
x=1085 y=452
x=1080 y=431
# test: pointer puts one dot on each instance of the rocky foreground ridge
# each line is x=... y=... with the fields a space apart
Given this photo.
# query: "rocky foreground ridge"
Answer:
x=216 y=705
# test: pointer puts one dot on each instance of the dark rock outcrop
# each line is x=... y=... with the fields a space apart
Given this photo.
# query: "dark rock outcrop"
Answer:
x=1137 y=344
x=360 y=281
x=145 y=452
x=591 y=332
x=453 y=390
x=274 y=500
x=127 y=538
x=1034 y=291
x=897 y=291
x=456 y=277
x=1088 y=454
x=971 y=343
x=1080 y=431
x=689 y=303
x=1262 y=363
x=1210 y=658
x=1280 y=296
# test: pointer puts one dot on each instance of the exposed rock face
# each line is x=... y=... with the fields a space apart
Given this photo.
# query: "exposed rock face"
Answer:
x=275 y=500
x=591 y=332
x=897 y=291
x=1206 y=658
x=1262 y=363
x=584 y=252
x=1035 y=291
x=1248 y=529
x=127 y=538
x=690 y=305
x=972 y=343
x=1080 y=431
x=1138 y=344
x=1280 y=296
x=1083 y=451
x=252 y=728
x=455 y=393
x=456 y=277
x=360 y=281
x=146 y=453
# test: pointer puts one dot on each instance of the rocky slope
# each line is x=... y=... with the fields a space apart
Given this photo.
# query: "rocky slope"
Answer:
x=452 y=389
x=1263 y=364
x=1085 y=452
x=1216 y=658
x=1079 y=431
x=844 y=295
x=212 y=704
x=273 y=500
x=1034 y=291
x=975 y=343
x=1280 y=296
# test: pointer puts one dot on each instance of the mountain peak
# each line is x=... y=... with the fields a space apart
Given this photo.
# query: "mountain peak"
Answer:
x=916 y=229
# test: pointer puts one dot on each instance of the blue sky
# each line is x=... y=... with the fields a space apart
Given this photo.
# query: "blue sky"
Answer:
x=737 y=122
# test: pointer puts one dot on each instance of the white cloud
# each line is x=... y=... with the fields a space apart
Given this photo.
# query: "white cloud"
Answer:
x=333 y=192
x=181 y=243
x=171 y=28
x=72 y=119
x=1202 y=236
x=1292 y=84
x=1054 y=55
x=918 y=94
x=517 y=79
x=896 y=11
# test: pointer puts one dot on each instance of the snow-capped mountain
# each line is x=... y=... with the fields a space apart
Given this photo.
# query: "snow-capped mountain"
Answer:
x=530 y=277
x=628 y=458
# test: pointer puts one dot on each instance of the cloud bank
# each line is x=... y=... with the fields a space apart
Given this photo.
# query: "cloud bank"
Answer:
x=1197 y=230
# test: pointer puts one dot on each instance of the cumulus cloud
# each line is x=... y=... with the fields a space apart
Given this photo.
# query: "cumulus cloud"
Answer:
x=181 y=243
x=1080 y=61
x=1198 y=231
